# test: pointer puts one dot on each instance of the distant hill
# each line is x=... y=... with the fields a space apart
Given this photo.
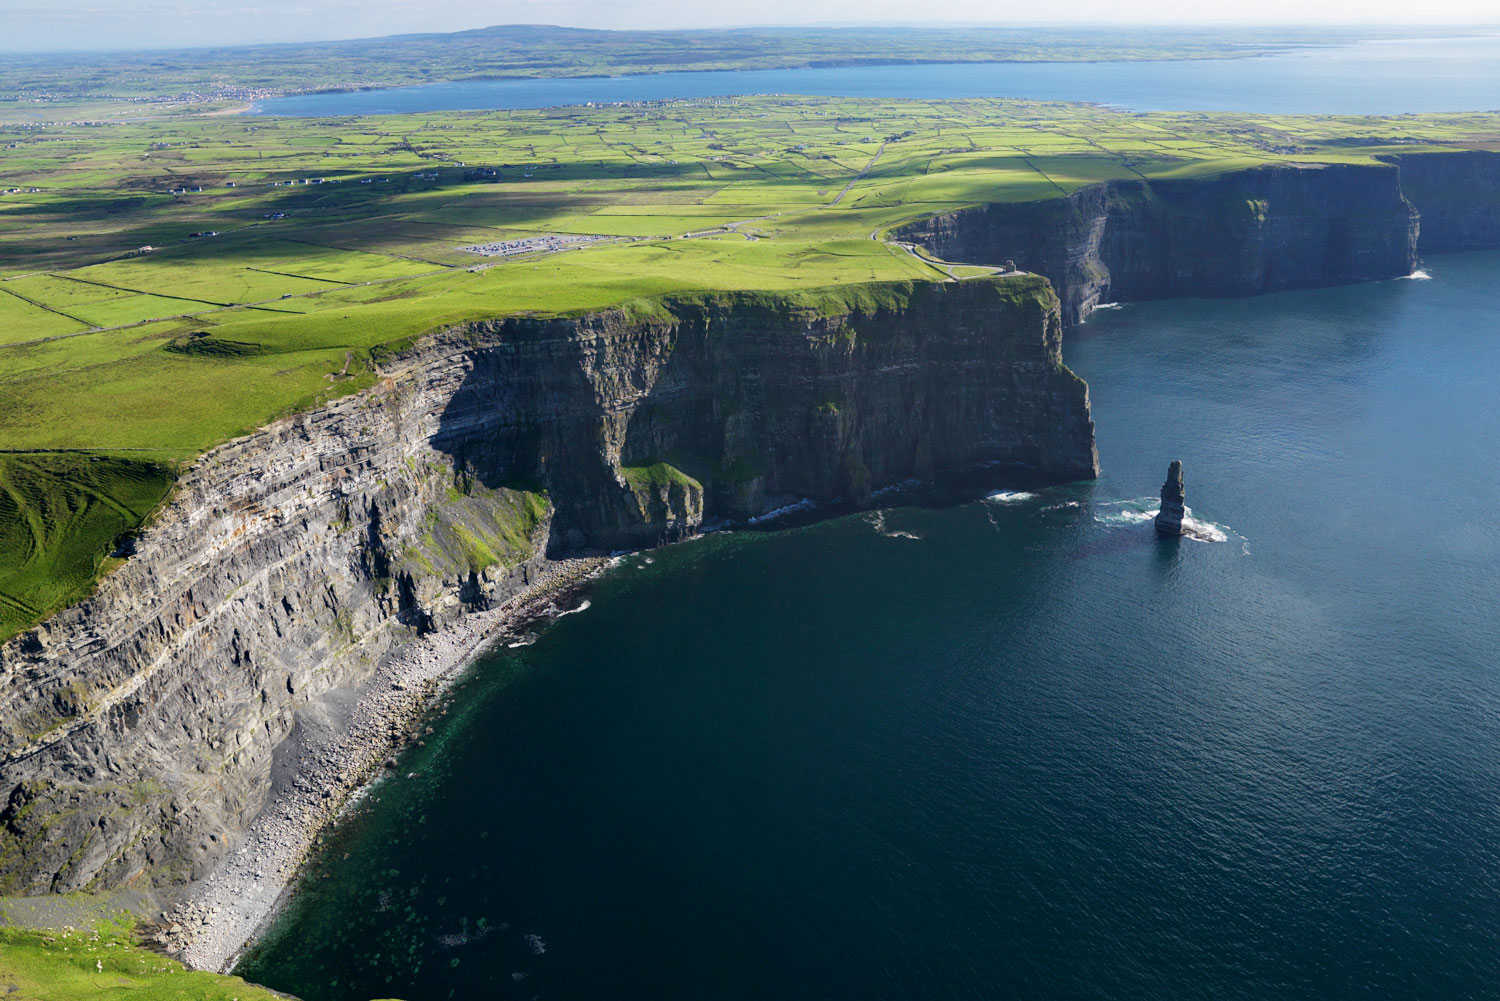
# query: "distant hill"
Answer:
x=529 y=50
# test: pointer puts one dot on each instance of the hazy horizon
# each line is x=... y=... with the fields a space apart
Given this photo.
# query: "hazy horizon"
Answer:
x=88 y=25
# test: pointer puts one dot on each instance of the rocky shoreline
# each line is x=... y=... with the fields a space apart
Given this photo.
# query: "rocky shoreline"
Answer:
x=222 y=914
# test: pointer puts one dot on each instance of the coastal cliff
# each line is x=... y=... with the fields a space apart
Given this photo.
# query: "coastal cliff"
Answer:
x=138 y=729
x=1241 y=233
x=1457 y=196
x=729 y=406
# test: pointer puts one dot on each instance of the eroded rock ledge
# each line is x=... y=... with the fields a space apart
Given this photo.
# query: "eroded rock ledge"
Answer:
x=137 y=729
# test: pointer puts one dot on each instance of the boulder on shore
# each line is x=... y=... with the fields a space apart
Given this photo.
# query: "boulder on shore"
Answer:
x=1173 y=502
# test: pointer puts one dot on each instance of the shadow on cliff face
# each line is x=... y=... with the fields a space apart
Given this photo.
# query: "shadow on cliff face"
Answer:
x=375 y=558
x=529 y=417
x=639 y=429
x=1245 y=232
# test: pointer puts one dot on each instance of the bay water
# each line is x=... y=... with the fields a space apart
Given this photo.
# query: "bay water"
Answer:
x=1388 y=77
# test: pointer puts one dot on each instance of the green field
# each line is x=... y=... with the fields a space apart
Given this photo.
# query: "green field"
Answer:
x=61 y=948
x=76 y=947
x=100 y=961
x=61 y=515
x=106 y=348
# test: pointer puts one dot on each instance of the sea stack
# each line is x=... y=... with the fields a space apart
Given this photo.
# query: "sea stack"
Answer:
x=1173 y=497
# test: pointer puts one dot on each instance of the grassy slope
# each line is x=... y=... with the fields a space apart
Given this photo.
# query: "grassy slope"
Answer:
x=643 y=479
x=61 y=516
x=97 y=344
x=100 y=961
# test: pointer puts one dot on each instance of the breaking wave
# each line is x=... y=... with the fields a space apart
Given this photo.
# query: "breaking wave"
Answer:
x=802 y=505
x=1009 y=497
x=1123 y=514
x=877 y=522
x=1143 y=511
x=1203 y=531
x=1419 y=275
x=897 y=487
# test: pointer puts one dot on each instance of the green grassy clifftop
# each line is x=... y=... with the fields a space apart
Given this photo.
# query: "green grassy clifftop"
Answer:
x=83 y=947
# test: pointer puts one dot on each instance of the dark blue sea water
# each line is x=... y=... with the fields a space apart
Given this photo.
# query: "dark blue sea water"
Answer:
x=1013 y=748
x=1371 y=78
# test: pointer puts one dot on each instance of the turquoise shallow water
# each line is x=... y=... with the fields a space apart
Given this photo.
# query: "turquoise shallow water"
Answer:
x=1371 y=78
x=1025 y=750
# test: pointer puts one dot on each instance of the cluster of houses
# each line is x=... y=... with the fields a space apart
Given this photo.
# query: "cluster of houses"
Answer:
x=21 y=191
x=533 y=244
x=483 y=172
x=477 y=174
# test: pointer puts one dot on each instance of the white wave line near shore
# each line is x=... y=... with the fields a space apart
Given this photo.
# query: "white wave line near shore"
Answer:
x=1010 y=497
x=906 y=484
x=876 y=520
x=806 y=504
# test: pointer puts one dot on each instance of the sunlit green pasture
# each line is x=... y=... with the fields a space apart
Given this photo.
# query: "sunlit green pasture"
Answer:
x=298 y=245
x=101 y=959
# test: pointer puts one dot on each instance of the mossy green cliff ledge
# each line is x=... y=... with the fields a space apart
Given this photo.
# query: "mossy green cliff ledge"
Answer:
x=137 y=729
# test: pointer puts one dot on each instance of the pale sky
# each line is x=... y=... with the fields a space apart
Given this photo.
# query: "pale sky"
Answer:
x=93 y=24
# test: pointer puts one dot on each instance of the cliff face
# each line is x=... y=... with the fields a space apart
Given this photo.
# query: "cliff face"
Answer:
x=137 y=728
x=732 y=406
x=1251 y=231
x=1458 y=196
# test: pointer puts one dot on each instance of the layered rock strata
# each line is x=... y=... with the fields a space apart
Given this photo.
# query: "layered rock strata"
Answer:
x=137 y=729
x=1261 y=230
x=1173 y=502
